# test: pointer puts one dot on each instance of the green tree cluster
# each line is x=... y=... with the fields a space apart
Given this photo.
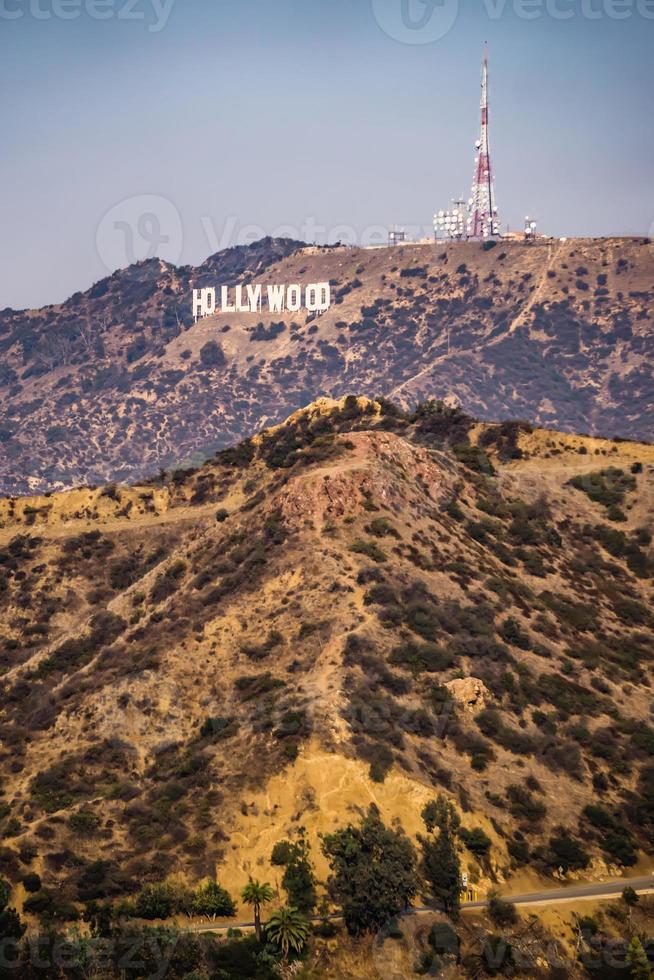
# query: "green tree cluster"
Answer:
x=160 y=900
x=299 y=880
x=440 y=861
x=373 y=872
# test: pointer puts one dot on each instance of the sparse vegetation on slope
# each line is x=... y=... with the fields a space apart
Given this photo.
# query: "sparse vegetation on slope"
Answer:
x=158 y=666
x=119 y=381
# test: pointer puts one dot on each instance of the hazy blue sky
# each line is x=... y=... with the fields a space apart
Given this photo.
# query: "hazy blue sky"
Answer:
x=268 y=113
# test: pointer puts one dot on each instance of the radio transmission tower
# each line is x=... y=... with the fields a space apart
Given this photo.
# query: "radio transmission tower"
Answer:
x=483 y=221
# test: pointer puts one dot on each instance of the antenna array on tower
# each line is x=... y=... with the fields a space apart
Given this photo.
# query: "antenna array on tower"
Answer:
x=479 y=218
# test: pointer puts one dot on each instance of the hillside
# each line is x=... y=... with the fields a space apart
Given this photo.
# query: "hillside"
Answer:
x=357 y=605
x=118 y=382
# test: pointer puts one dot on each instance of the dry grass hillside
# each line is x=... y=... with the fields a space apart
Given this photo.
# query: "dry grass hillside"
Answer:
x=357 y=605
x=118 y=381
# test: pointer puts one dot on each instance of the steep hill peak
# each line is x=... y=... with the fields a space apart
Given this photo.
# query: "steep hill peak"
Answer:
x=322 y=407
x=380 y=465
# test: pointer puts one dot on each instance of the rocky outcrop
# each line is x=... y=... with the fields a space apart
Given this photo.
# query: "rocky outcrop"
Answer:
x=470 y=693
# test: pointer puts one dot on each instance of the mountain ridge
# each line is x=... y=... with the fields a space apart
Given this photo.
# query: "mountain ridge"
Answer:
x=119 y=381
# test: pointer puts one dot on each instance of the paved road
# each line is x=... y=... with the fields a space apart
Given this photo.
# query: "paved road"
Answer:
x=595 y=889
x=550 y=896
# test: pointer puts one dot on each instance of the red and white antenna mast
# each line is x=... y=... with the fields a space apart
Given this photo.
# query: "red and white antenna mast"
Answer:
x=483 y=221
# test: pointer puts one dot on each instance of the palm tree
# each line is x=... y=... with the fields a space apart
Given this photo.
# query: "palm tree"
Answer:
x=257 y=894
x=288 y=929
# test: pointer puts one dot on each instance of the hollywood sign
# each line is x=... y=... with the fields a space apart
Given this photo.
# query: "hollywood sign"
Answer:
x=314 y=298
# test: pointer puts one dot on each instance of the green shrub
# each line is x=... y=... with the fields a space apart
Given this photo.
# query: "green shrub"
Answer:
x=55 y=787
x=502 y=913
x=218 y=727
x=381 y=528
x=492 y=726
x=370 y=549
x=257 y=685
x=419 y=657
x=240 y=959
x=567 y=853
x=380 y=594
x=31 y=882
x=512 y=633
x=50 y=907
x=519 y=851
x=473 y=458
x=83 y=822
x=168 y=582
x=443 y=940
x=607 y=487
x=523 y=806
x=212 y=355
x=615 y=839
x=477 y=842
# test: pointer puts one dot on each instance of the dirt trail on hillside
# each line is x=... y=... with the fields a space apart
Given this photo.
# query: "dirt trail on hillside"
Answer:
x=69 y=528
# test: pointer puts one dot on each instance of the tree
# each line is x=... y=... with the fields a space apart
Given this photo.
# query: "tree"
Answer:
x=11 y=926
x=31 y=882
x=99 y=916
x=257 y=894
x=288 y=930
x=639 y=968
x=299 y=881
x=630 y=897
x=442 y=870
x=477 y=842
x=212 y=900
x=440 y=861
x=567 y=852
x=212 y=354
x=155 y=901
x=373 y=872
x=501 y=912
x=440 y=813
x=241 y=957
